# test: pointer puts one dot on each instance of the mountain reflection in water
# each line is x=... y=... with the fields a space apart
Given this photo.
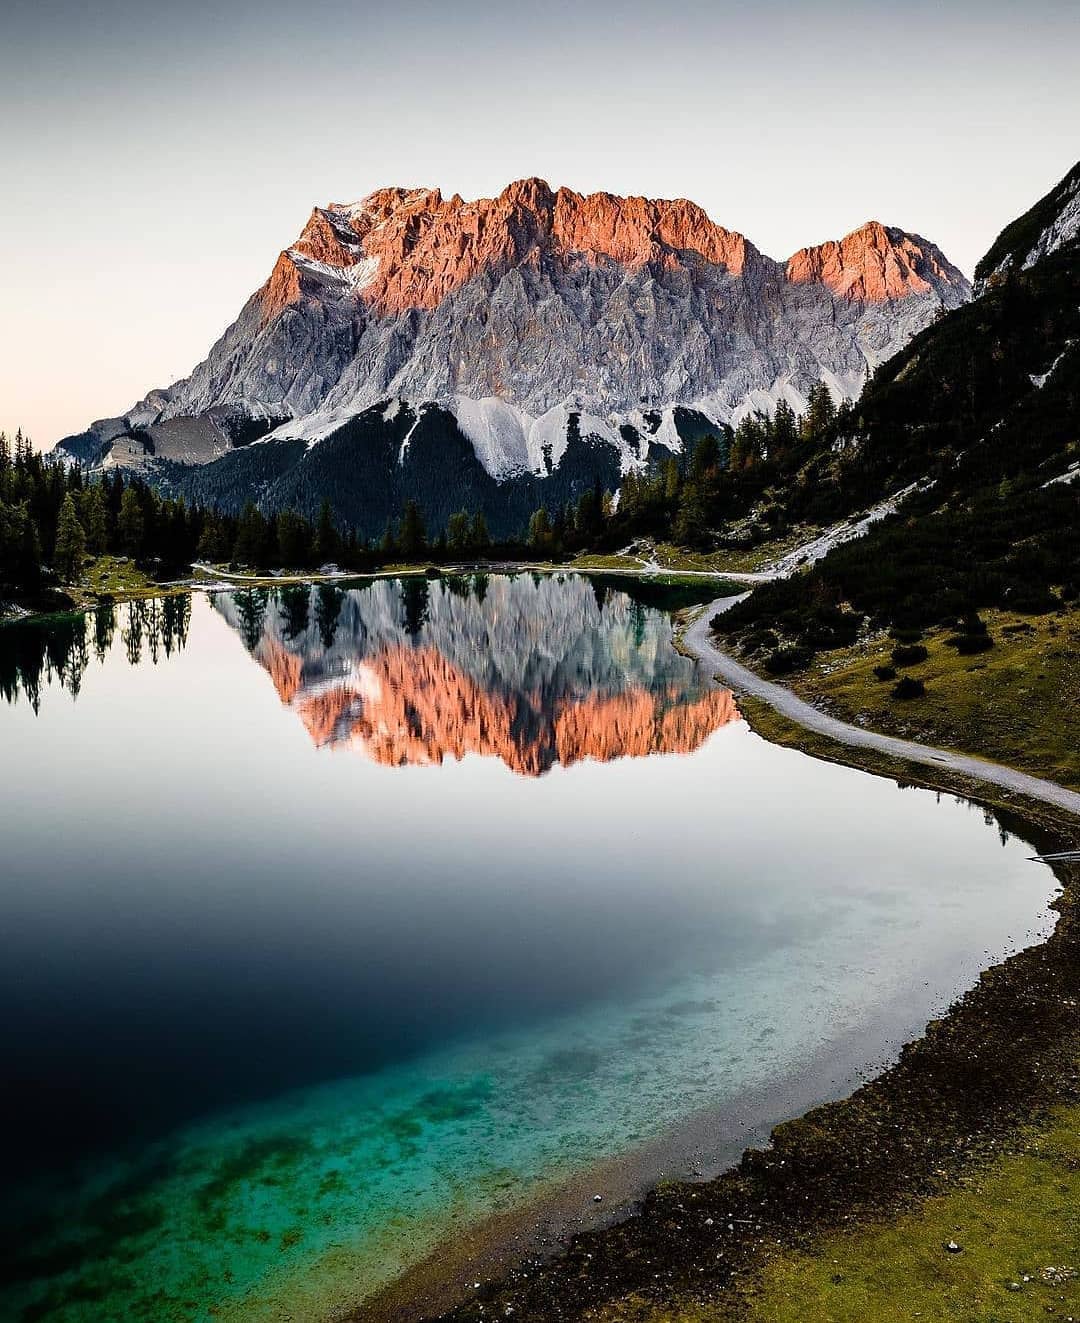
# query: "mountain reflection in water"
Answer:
x=534 y=670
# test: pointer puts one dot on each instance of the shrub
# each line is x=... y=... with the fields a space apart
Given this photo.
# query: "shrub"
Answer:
x=909 y=654
x=1031 y=599
x=907 y=687
x=907 y=635
x=967 y=645
x=885 y=672
x=782 y=661
x=761 y=640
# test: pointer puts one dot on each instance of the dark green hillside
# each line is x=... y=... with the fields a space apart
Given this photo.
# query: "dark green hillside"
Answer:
x=371 y=466
x=983 y=410
x=1016 y=240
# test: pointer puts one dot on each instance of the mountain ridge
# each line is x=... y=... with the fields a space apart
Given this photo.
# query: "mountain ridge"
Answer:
x=528 y=319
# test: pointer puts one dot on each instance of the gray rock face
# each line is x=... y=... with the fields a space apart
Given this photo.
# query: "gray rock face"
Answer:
x=1051 y=225
x=516 y=311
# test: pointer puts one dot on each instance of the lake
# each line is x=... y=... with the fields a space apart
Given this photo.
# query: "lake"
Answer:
x=336 y=919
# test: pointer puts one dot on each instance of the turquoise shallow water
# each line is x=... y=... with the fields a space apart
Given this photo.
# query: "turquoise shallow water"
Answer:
x=366 y=916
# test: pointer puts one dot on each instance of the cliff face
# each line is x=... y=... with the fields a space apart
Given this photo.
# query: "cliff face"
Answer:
x=1052 y=225
x=519 y=312
x=531 y=673
x=413 y=249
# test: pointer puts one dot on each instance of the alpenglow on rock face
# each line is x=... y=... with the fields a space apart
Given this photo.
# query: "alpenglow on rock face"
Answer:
x=511 y=340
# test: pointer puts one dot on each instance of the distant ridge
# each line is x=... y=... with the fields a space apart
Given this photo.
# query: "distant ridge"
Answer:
x=541 y=327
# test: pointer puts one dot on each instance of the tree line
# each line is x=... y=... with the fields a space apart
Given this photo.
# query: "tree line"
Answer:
x=53 y=515
x=58 y=650
x=692 y=499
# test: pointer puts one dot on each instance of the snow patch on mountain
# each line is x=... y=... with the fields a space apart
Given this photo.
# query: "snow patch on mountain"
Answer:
x=497 y=433
x=848 y=530
x=1071 y=474
x=508 y=441
x=1062 y=230
x=352 y=278
x=1039 y=379
x=547 y=439
x=409 y=436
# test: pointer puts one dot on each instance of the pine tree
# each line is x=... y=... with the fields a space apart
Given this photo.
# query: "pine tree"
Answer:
x=388 y=542
x=327 y=540
x=479 y=537
x=213 y=544
x=748 y=447
x=95 y=519
x=293 y=539
x=70 y=542
x=540 y=530
x=252 y=541
x=820 y=412
x=672 y=481
x=131 y=523
x=457 y=532
x=413 y=538
x=784 y=431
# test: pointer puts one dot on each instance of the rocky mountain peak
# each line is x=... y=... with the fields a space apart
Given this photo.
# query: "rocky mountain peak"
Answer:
x=874 y=263
x=415 y=246
x=539 y=323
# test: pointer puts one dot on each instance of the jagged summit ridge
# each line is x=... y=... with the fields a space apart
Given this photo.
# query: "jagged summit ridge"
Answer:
x=539 y=315
x=416 y=247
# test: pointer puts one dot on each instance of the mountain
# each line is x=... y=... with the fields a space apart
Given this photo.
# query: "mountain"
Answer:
x=980 y=417
x=1052 y=224
x=499 y=353
x=528 y=670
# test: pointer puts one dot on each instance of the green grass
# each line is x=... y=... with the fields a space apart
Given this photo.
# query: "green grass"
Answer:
x=739 y=562
x=1016 y=704
x=1016 y=1220
x=115 y=576
x=1017 y=1223
x=589 y=561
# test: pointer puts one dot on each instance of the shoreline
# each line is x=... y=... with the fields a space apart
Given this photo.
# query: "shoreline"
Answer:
x=822 y=1169
x=506 y=1254
x=216 y=579
x=695 y=1152
x=1001 y=1057
x=697 y=642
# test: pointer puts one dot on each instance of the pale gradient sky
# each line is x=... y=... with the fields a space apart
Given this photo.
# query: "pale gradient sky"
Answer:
x=155 y=158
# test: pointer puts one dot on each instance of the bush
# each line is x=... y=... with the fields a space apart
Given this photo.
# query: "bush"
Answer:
x=762 y=640
x=909 y=654
x=885 y=672
x=907 y=687
x=907 y=635
x=1031 y=600
x=967 y=645
x=782 y=661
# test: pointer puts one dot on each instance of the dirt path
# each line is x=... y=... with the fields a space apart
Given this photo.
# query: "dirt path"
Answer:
x=698 y=641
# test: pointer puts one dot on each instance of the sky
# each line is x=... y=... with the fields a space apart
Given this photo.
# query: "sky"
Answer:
x=155 y=158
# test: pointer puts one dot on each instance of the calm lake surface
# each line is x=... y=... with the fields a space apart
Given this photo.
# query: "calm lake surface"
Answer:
x=333 y=919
